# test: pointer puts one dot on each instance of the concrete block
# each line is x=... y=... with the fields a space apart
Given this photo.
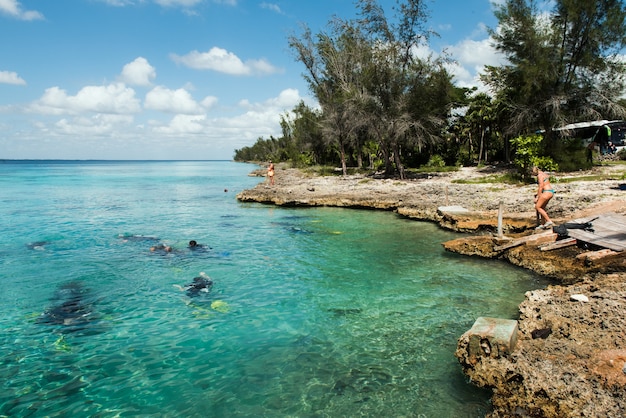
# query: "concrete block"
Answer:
x=492 y=337
x=451 y=209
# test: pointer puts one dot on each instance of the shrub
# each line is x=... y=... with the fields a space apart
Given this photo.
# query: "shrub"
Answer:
x=436 y=161
x=527 y=155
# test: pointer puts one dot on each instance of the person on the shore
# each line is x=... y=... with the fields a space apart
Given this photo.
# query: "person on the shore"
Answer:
x=543 y=196
x=611 y=149
x=270 y=172
x=590 y=149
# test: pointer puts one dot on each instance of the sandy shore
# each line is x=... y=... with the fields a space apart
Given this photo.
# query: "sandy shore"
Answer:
x=579 y=369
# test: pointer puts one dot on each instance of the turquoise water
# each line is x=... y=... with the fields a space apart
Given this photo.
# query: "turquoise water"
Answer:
x=316 y=312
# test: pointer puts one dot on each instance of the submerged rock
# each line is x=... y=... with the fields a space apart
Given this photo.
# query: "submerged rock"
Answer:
x=72 y=308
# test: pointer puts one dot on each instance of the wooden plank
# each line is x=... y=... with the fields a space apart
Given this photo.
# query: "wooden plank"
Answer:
x=559 y=244
x=542 y=239
x=512 y=244
x=523 y=240
x=609 y=231
x=597 y=239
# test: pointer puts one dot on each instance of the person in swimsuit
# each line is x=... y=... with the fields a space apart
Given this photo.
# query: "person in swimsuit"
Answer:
x=270 y=172
x=543 y=196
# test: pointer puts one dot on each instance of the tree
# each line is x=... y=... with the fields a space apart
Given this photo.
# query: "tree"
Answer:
x=562 y=67
x=333 y=64
x=478 y=118
x=370 y=83
x=396 y=77
x=301 y=128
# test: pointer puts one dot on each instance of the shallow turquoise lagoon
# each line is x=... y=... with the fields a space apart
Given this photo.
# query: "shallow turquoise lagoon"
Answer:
x=317 y=312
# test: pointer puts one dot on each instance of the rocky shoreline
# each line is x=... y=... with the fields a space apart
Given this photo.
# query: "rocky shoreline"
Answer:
x=579 y=368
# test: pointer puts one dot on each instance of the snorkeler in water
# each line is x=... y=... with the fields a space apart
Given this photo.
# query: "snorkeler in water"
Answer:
x=161 y=248
x=194 y=246
x=200 y=284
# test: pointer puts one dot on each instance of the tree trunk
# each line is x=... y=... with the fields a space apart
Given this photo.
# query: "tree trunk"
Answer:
x=344 y=168
x=387 y=157
x=396 y=157
x=482 y=144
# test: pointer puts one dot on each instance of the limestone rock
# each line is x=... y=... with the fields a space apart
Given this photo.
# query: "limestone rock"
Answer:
x=579 y=298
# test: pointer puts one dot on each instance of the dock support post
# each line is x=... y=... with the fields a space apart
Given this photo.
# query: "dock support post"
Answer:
x=500 y=210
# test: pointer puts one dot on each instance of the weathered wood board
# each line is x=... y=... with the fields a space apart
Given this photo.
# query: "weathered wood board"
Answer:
x=609 y=231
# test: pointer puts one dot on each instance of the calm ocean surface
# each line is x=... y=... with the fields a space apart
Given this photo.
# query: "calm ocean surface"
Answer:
x=317 y=312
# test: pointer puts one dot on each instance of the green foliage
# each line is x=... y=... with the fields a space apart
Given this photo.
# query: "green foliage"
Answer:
x=571 y=156
x=545 y=163
x=442 y=169
x=465 y=159
x=436 y=161
x=323 y=170
x=507 y=178
x=305 y=159
x=528 y=149
x=262 y=150
x=561 y=65
x=621 y=154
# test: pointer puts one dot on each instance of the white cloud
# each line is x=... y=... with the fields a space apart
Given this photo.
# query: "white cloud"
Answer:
x=172 y=101
x=258 y=119
x=108 y=122
x=118 y=3
x=9 y=77
x=14 y=9
x=476 y=53
x=218 y=59
x=471 y=58
x=271 y=6
x=209 y=101
x=96 y=125
x=112 y=99
x=138 y=73
x=184 y=124
x=287 y=99
x=174 y=3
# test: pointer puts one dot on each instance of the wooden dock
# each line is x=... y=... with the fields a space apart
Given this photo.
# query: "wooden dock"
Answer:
x=609 y=231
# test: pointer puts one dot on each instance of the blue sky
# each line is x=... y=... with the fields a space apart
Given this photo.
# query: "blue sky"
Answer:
x=175 y=79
